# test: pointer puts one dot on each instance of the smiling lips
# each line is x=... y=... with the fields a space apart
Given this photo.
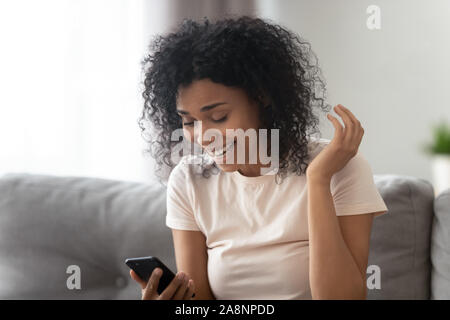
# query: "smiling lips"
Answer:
x=220 y=153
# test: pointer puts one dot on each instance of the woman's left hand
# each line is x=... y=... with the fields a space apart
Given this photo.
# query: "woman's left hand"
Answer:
x=341 y=149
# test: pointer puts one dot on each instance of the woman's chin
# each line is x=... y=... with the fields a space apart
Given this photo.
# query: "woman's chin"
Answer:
x=227 y=167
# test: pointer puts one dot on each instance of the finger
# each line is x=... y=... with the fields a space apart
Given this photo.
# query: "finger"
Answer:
x=361 y=134
x=350 y=114
x=349 y=125
x=359 y=131
x=152 y=284
x=168 y=293
x=136 y=278
x=339 y=130
x=190 y=291
x=179 y=294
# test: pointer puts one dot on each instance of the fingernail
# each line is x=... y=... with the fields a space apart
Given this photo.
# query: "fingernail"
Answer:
x=158 y=272
x=180 y=276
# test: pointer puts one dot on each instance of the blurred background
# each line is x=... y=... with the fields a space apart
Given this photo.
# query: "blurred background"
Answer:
x=70 y=78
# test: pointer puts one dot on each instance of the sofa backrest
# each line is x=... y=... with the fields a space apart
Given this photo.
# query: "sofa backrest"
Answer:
x=400 y=239
x=50 y=223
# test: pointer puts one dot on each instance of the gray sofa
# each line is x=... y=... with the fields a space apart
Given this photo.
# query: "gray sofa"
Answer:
x=49 y=223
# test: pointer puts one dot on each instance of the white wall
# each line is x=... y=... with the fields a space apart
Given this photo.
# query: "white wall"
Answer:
x=395 y=80
x=64 y=110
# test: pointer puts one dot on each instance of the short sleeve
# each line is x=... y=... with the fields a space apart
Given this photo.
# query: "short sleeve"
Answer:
x=180 y=214
x=354 y=190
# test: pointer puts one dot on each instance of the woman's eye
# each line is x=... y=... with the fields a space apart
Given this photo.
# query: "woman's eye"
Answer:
x=220 y=120
x=187 y=123
x=216 y=121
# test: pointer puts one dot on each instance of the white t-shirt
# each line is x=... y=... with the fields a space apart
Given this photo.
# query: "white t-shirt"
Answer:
x=256 y=230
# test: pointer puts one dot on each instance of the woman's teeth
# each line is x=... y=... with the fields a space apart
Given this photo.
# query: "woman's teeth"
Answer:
x=221 y=152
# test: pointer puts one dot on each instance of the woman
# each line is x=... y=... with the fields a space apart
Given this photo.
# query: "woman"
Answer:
x=300 y=232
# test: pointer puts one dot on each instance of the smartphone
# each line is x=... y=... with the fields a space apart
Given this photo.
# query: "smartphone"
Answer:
x=144 y=266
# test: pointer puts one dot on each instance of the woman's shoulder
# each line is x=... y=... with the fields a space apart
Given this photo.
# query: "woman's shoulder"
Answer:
x=316 y=145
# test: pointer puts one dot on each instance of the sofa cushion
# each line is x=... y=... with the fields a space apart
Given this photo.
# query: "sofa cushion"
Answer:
x=400 y=239
x=50 y=223
x=440 y=248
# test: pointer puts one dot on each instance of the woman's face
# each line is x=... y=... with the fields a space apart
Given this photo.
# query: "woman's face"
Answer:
x=218 y=107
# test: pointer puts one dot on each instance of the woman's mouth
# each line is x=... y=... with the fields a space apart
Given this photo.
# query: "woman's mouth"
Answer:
x=217 y=154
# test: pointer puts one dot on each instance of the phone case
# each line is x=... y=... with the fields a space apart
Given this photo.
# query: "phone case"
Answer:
x=144 y=266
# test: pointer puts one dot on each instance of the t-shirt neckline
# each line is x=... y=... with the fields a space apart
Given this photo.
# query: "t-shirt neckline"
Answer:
x=258 y=179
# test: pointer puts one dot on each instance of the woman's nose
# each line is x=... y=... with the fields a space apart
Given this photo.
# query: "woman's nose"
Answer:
x=209 y=138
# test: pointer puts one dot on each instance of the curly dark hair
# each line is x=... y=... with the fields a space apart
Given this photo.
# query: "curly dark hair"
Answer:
x=254 y=54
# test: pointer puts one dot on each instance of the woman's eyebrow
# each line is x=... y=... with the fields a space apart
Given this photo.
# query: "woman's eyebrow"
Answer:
x=203 y=109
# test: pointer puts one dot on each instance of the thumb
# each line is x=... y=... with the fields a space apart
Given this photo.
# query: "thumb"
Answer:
x=136 y=278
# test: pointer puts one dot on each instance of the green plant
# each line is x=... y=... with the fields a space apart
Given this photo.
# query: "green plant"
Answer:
x=441 y=140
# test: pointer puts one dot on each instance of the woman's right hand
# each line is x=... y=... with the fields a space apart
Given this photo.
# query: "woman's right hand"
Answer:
x=180 y=288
